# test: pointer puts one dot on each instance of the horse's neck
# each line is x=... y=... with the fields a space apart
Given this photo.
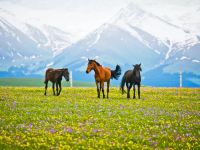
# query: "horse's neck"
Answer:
x=60 y=75
x=96 y=70
x=136 y=73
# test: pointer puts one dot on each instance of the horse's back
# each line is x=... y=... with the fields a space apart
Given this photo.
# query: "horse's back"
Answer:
x=47 y=74
x=128 y=76
x=107 y=73
x=128 y=73
x=49 y=69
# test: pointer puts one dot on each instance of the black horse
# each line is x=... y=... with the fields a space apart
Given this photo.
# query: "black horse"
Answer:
x=55 y=76
x=132 y=78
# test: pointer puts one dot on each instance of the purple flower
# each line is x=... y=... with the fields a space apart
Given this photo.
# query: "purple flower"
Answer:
x=154 y=143
x=70 y=130
x=52 y=130
x=30 y=125
x=94 y=130
x=188 y=135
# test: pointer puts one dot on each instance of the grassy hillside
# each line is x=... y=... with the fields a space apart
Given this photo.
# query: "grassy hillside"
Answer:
x=38 y=82
x=78 y=120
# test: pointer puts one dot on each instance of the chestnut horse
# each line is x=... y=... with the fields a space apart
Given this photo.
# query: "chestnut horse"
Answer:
x=102 y=74
x=132 y=78
x=55 y=76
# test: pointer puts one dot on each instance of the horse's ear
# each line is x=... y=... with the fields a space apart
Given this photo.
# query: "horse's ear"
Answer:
x=133 y=65
x=140 y=64
x=88 y=59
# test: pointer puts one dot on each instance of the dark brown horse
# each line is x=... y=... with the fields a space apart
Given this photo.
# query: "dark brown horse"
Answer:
x=132 y=78
x=102 y=74
x=55 y=76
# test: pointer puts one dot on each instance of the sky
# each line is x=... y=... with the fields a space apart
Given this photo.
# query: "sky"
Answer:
x=80 y=17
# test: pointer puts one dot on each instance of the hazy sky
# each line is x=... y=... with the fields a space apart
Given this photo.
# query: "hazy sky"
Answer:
x=82 y=16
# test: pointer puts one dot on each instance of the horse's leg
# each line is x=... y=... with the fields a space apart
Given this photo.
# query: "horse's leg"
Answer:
x=130 y=86
x=53 y=87
x=46 y=85
x=128 y=90
x=108 y=85
x=59 y=83
x=57 y=88
x=133 y=91
x=139 y=91
x=102 y=86
x=98 y=91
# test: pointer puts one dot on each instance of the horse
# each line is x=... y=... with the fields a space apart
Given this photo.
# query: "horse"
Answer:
x=102 y=74
x=132 y=78
x=55 y=76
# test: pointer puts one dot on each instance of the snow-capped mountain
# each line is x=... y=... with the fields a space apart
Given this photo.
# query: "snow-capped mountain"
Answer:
x=46 y=36
x=49 y=37
x=23 y=45
x=133 y=36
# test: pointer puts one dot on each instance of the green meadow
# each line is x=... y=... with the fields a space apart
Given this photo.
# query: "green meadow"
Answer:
x=38 y=82
x=164 y=118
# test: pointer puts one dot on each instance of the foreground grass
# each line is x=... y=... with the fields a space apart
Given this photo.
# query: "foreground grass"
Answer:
x=78 y=120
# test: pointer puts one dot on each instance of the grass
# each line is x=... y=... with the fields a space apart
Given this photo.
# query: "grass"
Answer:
x=78 y=120
x=38 y=82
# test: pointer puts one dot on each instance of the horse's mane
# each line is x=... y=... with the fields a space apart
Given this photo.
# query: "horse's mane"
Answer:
x=98 y=64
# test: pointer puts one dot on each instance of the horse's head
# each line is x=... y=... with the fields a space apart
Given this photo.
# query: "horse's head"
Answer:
x=91 y=64
x=66 y=74
x=137 y=67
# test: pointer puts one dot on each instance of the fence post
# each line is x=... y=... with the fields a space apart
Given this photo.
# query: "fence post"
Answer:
x=71 y=84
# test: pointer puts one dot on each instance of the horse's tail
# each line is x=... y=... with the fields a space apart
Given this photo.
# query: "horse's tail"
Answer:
x=122 y=85
x=116 y=73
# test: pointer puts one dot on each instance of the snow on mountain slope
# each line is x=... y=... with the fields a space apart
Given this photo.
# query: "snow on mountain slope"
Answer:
x=25 y=46
x=45 y=36
x=50 y=37
x=174 y=37
x=112 y=45
x=17 y=49
x=133 y=36
x=154 y=34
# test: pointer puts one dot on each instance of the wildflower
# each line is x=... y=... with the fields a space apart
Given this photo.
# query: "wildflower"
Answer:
x=94 y=130
x=70 y=130
x=30 y=125
x=52 y=130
